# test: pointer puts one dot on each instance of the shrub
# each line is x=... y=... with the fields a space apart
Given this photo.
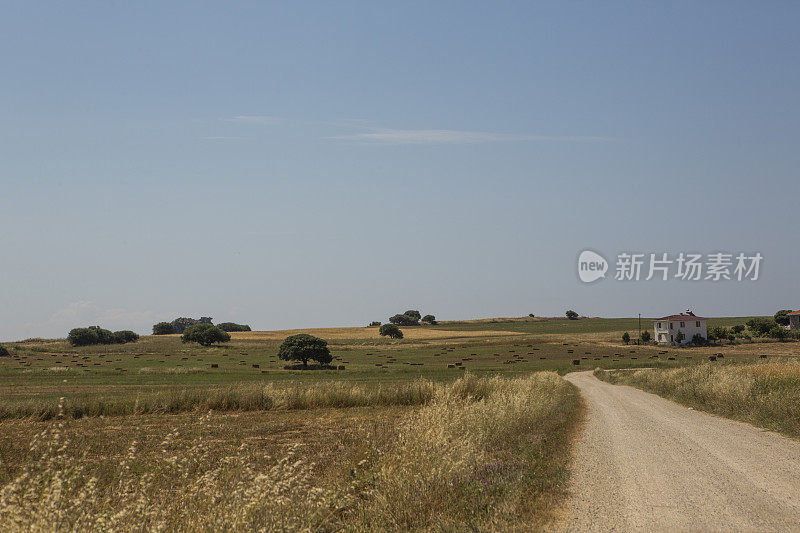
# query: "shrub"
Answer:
x=232 y=326
x=779 y=332
x=413 y=314
x=163 y=328
x=125 y=336
x=782 y=317
x=718 y=333
x=179 y=325
x=679 y=338
x=375 y=323
x=83 y=337
x=429 y=319
x=646 y=336
x=737 y=329
x=698 y=340
x=4 y=351
x=391 y=331
x=572 y=315
x=205 y=334
x=404 y=320
x=760 y=326
x=626 y=337
x=304 y=347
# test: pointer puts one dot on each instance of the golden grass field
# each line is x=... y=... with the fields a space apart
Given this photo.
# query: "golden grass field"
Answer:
x=488 y=452
x=463 y=425
x=766 y=394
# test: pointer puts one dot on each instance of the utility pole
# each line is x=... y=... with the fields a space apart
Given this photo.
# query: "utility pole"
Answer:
x=640 y=328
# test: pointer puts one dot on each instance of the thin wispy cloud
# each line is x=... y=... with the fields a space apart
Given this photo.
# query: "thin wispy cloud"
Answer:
x=393 y=136
x=254 y=119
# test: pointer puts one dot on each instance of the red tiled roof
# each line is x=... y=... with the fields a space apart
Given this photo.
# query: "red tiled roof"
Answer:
x=794 y=313
x=680 y=317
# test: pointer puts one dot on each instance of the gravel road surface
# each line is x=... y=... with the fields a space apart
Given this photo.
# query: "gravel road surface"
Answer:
x=647 y=464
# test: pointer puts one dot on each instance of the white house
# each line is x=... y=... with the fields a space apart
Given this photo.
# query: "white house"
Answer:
x=794 y=320
x=667 y=328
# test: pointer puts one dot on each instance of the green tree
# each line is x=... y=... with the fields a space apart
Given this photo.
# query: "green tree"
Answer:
x=404 y=320
x=626 y=337
x=572 y=315
x=760 y=326
x=391 y=331
x=125 y=336
x=698 y=340
x=163 y=328
x=737 y=329
x=679 y=338
x=82 y=337
x=779 y=332
x=232 y=326
x=646 y=336
x=782 y=317
x=205 y=334
x=413 y=314
x=429 y=319
x=305 y=348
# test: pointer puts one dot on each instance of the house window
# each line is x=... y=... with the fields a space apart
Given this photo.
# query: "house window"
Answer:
x=671 y=324
x=659 y=325
x=683 y=325
x=697 y=323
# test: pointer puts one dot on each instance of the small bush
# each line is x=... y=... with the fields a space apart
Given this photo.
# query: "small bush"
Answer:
x=163 y=328
x=699 y=340
x=82 y=337
x=779 y=332
x=737 y=329
x=646 y=336
x=391 y=331
x=375 y=323
x=205 y=334
x=232 y=326
x=429 y=319
x=125 y=336
x=760 y=326
x=4 y=352
x=626 y=337
x=572 y=315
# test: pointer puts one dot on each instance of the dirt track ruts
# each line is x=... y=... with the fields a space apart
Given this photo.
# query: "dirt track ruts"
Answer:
x=644 y=463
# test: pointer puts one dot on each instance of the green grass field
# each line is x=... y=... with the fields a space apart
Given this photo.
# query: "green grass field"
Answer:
x=44 y=370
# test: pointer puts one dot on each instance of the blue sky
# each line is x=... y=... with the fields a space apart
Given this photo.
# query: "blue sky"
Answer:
x=332 y=163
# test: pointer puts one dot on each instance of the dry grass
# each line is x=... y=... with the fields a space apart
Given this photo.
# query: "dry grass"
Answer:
x=368 y=333
x=483 y=454
x=239 y=397
x=765 y=394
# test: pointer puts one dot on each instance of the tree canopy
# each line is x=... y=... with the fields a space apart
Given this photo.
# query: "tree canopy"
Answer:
x=205 y=334
x=305 y=348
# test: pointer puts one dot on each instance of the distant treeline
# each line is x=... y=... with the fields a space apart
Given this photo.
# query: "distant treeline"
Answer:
x=180 y=325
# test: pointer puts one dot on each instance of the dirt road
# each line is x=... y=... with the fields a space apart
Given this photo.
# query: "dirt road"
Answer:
x=647 y=464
